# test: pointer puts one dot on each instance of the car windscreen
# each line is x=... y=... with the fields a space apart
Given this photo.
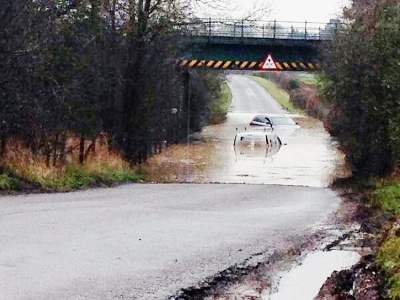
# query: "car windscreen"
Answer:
x=261 y=119
x=282 y=121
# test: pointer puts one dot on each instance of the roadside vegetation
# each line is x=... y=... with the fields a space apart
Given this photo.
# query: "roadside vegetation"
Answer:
x=297 y=92
x=361 y=87
x=357 y=97
x=219 y=107
x=87 y=84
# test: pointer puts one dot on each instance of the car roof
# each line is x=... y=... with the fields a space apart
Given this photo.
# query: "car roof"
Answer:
x=273 y=115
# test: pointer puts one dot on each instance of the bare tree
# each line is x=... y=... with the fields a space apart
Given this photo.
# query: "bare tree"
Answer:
x=247 y=10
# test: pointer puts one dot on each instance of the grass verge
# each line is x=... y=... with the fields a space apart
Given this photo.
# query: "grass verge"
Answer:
x=277 y=93
x=219 y=107
x=388 y=258
x=387 y=197
x=21 y=170
x=77 y=177
x=73 y=177
x=308 y=78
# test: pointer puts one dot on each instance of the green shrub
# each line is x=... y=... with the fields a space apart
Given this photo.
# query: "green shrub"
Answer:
x=220 y=105
x=363 y=85
x=77 y=177
x=387 y=198
x=388 y=258
x=293 y=84
x=8 y=183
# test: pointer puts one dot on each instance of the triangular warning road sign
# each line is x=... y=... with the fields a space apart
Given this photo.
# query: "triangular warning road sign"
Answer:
x=269 y=64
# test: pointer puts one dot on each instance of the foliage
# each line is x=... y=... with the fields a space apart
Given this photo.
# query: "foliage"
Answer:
x=388 y=258
x=8 y=182
x=91 y=67
x=293 y=84
x=308 y=78
x=102 y=166
x=363 y=88
x=77 y=177
x=220 y=105
x=387 y=197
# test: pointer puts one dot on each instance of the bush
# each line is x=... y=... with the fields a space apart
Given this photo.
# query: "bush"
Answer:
x=388 y=259
x=8 y=183
x=293 y=84
x=387 y=198
x=363 y=86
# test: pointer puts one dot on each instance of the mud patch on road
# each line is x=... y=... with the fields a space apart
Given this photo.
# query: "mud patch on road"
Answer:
x=242 y=281
x=363 y=281
x=262 y=280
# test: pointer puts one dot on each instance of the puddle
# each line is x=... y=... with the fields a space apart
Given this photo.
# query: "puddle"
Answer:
x=305 y=280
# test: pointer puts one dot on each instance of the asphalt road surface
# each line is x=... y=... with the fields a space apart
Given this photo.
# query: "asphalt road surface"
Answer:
x=145 y=241
x=249 y=97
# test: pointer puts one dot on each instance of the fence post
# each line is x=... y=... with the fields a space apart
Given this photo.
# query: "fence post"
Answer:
x=291 y=33
x=263 y=30
x=305 y=31
x=274 y=29
x=319 y=33
x=209 y=27
x=242 y=28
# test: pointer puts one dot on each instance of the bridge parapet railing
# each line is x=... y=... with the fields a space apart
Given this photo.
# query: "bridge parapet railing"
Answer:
x=258 y=29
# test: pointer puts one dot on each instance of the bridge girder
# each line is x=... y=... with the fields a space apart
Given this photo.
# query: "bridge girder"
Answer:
x=242 y=52
x=250 y=54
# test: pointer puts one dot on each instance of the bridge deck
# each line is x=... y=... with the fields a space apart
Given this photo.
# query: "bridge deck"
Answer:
x=245 y=45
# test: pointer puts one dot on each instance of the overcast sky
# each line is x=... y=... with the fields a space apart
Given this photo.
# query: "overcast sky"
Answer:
x=307 y=10
x=287 y=10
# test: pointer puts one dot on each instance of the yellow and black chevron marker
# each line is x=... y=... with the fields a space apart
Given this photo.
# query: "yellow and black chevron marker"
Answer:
x=248 y=65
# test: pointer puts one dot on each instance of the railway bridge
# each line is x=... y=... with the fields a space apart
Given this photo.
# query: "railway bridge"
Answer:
x=254 y=45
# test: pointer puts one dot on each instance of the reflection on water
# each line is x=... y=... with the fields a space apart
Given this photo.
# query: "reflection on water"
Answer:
x=306 y=280
x=256 y=144
x=308 y=157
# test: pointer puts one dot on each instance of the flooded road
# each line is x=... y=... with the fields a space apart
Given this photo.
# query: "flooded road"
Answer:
x=159 y=241
x=308 y=156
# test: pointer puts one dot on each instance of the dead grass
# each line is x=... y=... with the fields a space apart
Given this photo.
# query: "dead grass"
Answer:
x=101 y=165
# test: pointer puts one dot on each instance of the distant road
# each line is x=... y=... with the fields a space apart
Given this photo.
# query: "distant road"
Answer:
x=144 y=241
x=249 y=97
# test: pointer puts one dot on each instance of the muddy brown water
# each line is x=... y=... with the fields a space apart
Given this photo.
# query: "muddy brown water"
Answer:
x=308 y=157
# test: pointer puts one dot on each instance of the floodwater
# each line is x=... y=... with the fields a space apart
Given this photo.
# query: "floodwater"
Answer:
x=308 y=157
x=306 y=280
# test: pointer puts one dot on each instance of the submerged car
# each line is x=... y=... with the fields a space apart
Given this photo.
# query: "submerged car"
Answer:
x=256 y=144
x=274 y=121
